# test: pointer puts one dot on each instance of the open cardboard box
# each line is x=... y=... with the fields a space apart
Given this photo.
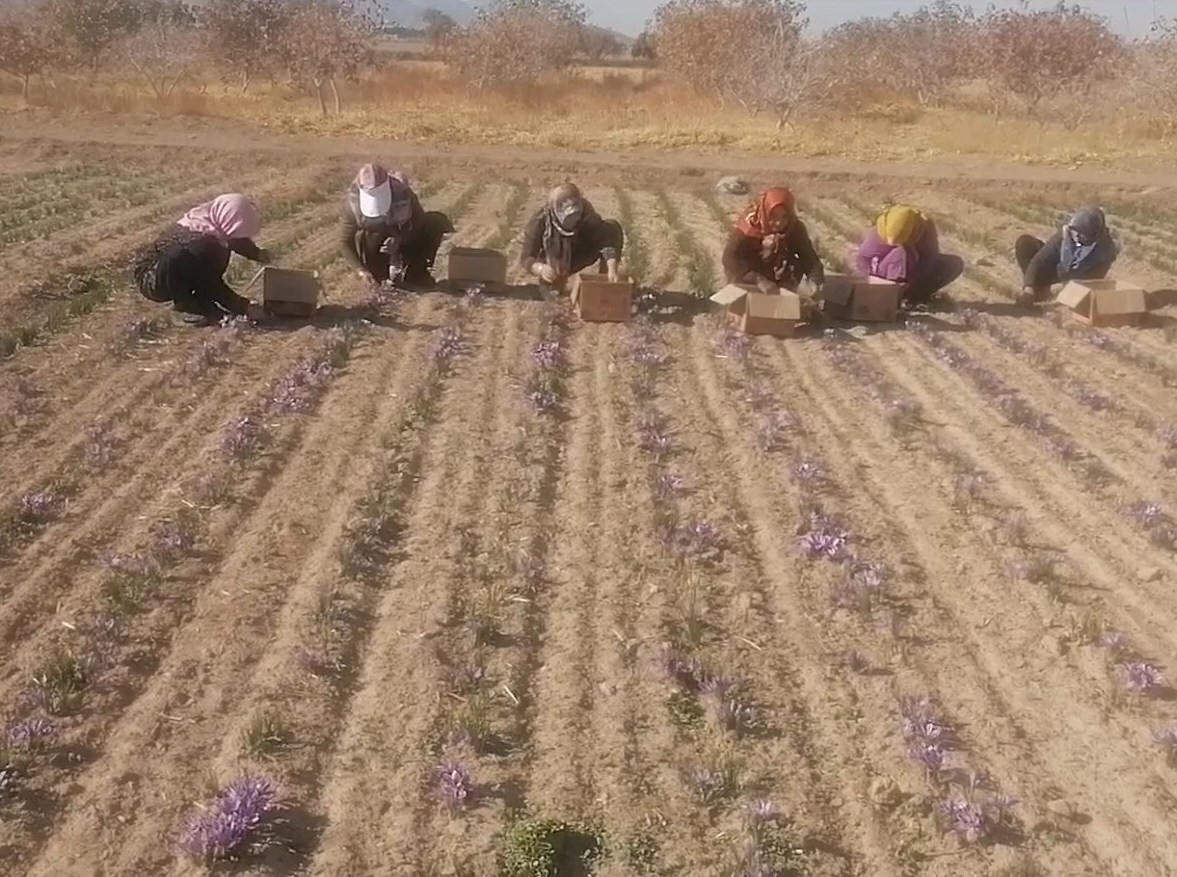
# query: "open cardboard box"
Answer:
x=597 y=300
x=752 y=312
x=861 y=299
x=288 y=292
x=1105 y=302
x=469 y=266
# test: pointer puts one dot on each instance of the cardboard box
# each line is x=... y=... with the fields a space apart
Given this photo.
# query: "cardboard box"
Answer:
x=287 y=292
x=751 y=311
x=1105 y=302
x=861 y=299
x=476 y=265
x=597 y=300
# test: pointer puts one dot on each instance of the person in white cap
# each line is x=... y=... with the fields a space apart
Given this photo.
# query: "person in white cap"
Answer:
x=567 y=235
x=386 y=234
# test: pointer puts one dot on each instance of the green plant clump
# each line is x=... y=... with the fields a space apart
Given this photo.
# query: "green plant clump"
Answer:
x=534 y=847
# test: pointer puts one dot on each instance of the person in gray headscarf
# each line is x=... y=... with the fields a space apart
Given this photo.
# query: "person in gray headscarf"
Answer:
x=566 y=236
x=1082 y=249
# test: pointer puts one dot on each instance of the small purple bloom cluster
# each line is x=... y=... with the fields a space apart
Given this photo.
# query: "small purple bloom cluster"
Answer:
x=1156 y=522
x=449 y=343
x=242 y=438
x=454 y=785
x=826 y=537
x=928 y=734
x=40 y=506
x=732 y=344
x=296 y=390
x=28 y=734
x=1141 y=677
x=235 y=823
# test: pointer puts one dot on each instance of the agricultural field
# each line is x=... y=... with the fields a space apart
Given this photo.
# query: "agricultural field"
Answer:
x=455 y=585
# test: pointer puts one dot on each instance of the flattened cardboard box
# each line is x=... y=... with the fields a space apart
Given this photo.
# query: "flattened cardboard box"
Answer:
x=597 y=300
x=752 y=312
x=1105 y=302
x=470 y=265
x=861 y=299
x=288 y=292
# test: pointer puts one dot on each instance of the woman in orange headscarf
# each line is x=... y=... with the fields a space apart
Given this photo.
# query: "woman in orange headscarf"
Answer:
x=770 y=247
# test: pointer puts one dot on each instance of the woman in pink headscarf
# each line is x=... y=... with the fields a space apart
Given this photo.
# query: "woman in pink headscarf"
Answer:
x=186 y=264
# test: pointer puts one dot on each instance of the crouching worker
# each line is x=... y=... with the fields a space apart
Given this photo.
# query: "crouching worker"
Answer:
x=186 y=264
x=386 y=234
x=566 y=236
x=904 y=247
x=1082 y=249
x=771 y=248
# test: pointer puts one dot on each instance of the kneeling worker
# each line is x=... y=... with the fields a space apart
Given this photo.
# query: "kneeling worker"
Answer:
x=385 y=233
x=186 y=264
x=1083 y=249
x=903 y=246
x=770 y=247
x=566 y=236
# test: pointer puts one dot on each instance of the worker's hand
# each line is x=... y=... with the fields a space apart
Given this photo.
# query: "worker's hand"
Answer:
x=546 y=273
x=767 y=286
x=364 y=277
x=611 y=270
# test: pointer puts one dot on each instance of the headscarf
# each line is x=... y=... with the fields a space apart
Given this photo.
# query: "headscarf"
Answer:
x=1090 y=222
x=900 y=225
x=226 y=217
x=387 y=193
x=755 y=221
x=563 y=214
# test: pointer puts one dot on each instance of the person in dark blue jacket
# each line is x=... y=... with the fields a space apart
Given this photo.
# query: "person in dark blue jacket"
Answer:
x=1082 y=249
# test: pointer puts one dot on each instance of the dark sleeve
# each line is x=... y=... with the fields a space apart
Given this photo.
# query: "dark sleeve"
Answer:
x=1046 y=262
x=807 y=258
x=418 y=210
x=348 y=229
x=927 y=250
x=533 y=241
x=607 y=236
x=246 y=247
x=209 y=281
x=739 y=256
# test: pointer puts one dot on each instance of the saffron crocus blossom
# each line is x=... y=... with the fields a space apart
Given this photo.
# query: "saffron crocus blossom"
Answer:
x=234 y=823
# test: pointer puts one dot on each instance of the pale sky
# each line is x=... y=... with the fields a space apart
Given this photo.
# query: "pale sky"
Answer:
x=1126 y=16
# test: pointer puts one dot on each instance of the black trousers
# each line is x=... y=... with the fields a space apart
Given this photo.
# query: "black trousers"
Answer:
x=1041 y=274
x=417 y=252
x=944 y=270
x=188 y=270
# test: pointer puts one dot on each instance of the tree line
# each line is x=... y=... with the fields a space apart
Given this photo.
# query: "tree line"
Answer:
x=754 y=54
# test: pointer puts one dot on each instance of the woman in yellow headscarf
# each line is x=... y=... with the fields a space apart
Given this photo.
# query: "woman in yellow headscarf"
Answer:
x=904 y=247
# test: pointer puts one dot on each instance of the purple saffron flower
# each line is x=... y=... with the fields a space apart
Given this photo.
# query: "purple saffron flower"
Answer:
x=296 y=390
x=732 y=344
x=826 y=538
x=684 y=672
x=475 y=295
x=548 y=355
x=928 y=754
x=174 y=538
x=808 y=472
x=965 y=819
x=1147 y=514
x=29 y=733
x=543 y=400
x=241 y=438
x=695 y=539
x=763 y=811
x=453 y=785
x=1167 y=739
x=1113 y=640
x=135 y=566
x=449 y=344
x=236 y=821
x=709 y=785
x=653 y=439
x=40 y=506
x=667 y=484
x=1141 y=677
x=99 y=448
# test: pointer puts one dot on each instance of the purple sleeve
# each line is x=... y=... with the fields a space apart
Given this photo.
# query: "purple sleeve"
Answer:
x=893 y=266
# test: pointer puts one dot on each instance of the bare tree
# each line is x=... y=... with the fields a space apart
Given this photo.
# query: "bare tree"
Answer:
x=166 y=47
x=325 y=41
x=644 y=47
x=25 y=46
x=85 y=31
x=749 y=52
x=596 y=44
x=439 y=27
x=1037 y=56
x=244 y=36
x=518 y=41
